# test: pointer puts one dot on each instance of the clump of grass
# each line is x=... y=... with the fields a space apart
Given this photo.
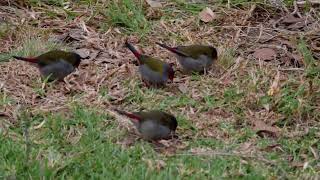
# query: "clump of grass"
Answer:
x=33 y=47
x=58 y=8
x=190 y=7
x=59 y=3
x=31 y=42
x=30 y=47
x=81 y=142
x=227 y=58
x=81 y=145
x=289 y=102
x=4 y=28
x=128 y=14
x=312 y=68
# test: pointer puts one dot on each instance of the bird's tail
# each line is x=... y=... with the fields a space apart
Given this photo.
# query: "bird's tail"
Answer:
x=129 y=115
x=174 y=50
x=133 y=50
x=32 y=60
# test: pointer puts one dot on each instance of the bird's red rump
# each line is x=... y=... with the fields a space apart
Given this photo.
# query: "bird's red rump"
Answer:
x=172 y=49
x=32 y=60
x=129 y=115
x=133 y=116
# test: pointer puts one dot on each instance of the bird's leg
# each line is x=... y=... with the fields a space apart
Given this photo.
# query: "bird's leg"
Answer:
x=158 y=85
x=205 y=71
x=146 y=83
x=143 y=81
x=157 y=143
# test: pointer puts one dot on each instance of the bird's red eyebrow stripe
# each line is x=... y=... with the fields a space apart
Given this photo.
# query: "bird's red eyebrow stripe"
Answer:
x=136 y=54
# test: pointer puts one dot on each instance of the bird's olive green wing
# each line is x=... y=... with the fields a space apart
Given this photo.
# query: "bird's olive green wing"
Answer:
x=160 y=117
x=54 y=56
x=195 y=51
x=154 y=64
x=164 y=119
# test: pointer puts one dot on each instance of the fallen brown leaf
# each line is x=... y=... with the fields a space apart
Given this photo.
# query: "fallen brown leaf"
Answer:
x=294 y=23
x=290 y=19
x=245 y=147
x=84 y=52
x=272 y=147
x=154 y=3
x=264 y=129
x=265 y=54
x=76 y=34
x=296 y=26
x=207 y=15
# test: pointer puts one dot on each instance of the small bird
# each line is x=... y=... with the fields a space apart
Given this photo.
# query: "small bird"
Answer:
x=56 y=64
x=153 y=125
x=197 y=58
x=153 y=71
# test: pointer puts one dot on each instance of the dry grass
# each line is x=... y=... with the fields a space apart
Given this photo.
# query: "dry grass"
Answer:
x=229 y=104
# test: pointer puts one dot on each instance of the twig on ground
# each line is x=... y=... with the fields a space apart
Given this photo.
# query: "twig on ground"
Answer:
x=296 y=9
x=291 y=69
x=249 y=14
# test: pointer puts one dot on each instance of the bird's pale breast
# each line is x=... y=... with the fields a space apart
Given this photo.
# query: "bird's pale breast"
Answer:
x=57 y=70
x=152 y=76
x=191 y=64
x=151 y=130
